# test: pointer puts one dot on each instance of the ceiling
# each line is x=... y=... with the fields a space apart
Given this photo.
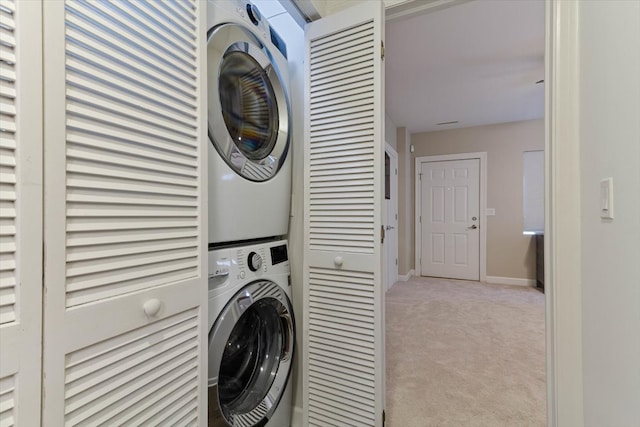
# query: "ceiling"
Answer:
x=476 y=63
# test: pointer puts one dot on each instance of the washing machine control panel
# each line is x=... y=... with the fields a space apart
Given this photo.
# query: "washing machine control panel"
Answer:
x=246 y=263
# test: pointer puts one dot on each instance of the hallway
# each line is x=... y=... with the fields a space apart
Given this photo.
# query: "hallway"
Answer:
x=464 y=354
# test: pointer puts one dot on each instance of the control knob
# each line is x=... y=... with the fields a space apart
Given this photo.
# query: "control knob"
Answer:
x=255 y=261
x=254 y=14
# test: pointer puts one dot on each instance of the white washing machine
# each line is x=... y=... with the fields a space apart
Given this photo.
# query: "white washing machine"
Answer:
x=251 y=336
x=249 y=126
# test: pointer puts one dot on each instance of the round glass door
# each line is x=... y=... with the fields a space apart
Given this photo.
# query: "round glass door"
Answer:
x=250 y=348
x=248 y=105
x=248 y=111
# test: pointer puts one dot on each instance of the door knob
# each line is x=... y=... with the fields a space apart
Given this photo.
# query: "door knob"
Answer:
x=152 y=307
x=338 y=261
x=473 y=227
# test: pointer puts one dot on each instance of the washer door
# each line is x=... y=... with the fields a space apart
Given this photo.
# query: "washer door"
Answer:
x=248 y=109
x=250 y=352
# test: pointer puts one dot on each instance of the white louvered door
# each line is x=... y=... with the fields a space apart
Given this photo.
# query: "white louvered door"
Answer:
x=125 y=213
x=344 y=166
x=20 y=211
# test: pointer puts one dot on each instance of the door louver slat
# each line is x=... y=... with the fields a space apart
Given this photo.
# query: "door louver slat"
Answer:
x=136 y=364
x=8 y=401
x=111 y=130
x=8 y=173
x=339 y=109
x=346 y=383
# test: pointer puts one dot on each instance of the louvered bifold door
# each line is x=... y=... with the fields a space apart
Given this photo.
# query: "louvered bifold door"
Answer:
x=125 y=213
x=343 y=286
x=20 y=211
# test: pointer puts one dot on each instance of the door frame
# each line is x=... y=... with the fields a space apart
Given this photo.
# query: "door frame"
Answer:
x=388 y=149
x=482 y=157
x=563 y=295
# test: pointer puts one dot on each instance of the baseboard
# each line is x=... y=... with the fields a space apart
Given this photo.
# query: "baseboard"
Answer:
x=405 y=277
x=496 y=280
x=296 y=417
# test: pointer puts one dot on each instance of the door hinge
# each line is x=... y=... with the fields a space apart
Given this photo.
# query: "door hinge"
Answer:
x=420 y=219
x=382 y=234
x=382 y=49
x=396 y=261
x=384 y=418
x=396 y=171
x=420 y=176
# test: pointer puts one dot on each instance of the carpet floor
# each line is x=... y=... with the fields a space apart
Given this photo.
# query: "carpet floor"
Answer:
x=462 y=353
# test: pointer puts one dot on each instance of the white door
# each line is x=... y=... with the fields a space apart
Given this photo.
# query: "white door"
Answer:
x=343 y=310
x=20 y=212
x=449 y=219
x=391 y=218
x=125 y=335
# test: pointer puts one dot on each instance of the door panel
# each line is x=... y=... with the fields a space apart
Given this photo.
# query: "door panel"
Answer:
x=20 y=212
x=125 y=223
x=450 y=200
x=344 y=164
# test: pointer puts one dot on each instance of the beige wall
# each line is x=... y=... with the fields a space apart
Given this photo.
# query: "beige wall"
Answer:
x=509 y=253
x=294 y=37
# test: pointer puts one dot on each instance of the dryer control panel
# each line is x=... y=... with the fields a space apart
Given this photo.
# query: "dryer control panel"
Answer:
x=250 y=13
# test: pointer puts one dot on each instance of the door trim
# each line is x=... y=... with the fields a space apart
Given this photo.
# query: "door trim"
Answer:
x=482 y=157
x=563 y=295
x=388 y=148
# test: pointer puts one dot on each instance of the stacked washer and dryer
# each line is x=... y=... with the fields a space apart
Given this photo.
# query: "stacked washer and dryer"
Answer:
x=251 y=322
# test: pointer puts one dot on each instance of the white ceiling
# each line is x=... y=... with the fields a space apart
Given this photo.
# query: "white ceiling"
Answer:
x=475 y=62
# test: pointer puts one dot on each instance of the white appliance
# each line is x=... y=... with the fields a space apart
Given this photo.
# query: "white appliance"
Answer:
x=249 y=125
x=251 y=336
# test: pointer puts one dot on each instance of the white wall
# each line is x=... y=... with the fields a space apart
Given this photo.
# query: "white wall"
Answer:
x=390 y=132
x=609 y=36
x=293 y=36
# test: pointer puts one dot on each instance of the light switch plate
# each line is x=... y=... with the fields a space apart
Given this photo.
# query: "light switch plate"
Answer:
x=606 y=198
x=490 y=212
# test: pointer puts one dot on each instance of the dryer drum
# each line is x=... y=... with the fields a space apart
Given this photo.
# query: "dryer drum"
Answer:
x=248 y=107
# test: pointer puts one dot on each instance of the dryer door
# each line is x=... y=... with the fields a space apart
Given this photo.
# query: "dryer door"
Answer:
x=250 y=354
x=248 y=107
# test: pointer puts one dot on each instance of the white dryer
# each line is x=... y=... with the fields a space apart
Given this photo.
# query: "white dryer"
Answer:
x=248 y=125
x=251 y=336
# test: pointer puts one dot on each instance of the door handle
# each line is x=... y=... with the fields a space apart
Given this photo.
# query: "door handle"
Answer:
x=473 y=227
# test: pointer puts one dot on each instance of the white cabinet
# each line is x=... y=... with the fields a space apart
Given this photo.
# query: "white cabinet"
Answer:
x=20 y=212
x=343 y=348
x=124 y=314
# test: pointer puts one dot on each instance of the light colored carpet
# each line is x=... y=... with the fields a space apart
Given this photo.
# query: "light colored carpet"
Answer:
x=463 y=354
